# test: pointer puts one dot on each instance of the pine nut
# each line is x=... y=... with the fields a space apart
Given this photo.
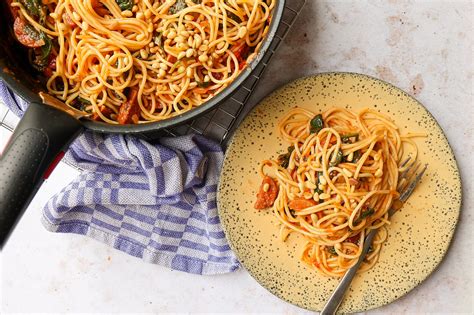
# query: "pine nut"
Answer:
x=171 y=34
x=197 y=40
x=350 y=157
x=378 y=173
x=242 y=32
x=324 y=196
x=266 y=186
x=189 y=72
x=203 y=58
x=147 y=13
x=310 y=185
x=127 y=13
x=143 y=54
x=189 y=52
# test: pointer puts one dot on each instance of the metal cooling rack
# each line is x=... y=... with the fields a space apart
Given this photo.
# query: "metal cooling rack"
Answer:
x=221 y=122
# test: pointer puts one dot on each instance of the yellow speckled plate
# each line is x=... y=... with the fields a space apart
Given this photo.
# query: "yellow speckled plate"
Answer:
x=419 y=235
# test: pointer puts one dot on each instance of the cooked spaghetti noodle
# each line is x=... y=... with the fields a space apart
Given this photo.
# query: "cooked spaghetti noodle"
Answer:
x=337 y=181
x=130 y=61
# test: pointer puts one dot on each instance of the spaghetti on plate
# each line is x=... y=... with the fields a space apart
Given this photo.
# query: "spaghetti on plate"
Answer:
x=336 y=182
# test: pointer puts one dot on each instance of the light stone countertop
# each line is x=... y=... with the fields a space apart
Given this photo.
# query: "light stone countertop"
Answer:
x=423 y=47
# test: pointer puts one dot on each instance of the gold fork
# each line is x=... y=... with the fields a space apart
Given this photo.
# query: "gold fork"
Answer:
x=408 y=180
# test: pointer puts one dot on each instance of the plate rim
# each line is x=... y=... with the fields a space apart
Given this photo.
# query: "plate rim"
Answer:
x=458 y=179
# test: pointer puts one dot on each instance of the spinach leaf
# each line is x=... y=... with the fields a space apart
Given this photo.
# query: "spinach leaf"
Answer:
x=125 y=4
x=39 y=57
x=158 y=40
x=357 y=156
x=177 y=6
x=364 y=214
x=81 y=103
x=35 y=9
x=284 y=159
x=316 y=123
x=319 y=191
x=234 y=17
x=337 y=160
x=47 y=47
x=347 y=137
x=203 y=84
x=331 y=250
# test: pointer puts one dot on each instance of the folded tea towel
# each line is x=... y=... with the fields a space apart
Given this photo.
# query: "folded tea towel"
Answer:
x=153 y=200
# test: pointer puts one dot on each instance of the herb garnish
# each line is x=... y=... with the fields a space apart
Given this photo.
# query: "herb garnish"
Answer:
x=35 y=9
x=338 y=159
x=347 y=137
x=177 y=6
x=125 y=4
x=284 y=159
x=364 y=214
x=316 y=123
x=331 y=250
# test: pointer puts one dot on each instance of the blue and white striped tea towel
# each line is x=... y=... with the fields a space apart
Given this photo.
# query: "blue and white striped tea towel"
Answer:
x=154 y=201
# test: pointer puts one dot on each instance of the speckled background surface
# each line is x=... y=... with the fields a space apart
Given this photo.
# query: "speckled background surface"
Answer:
x=424 y=47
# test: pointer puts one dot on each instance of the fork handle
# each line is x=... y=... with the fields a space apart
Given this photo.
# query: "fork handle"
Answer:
x=336 y=297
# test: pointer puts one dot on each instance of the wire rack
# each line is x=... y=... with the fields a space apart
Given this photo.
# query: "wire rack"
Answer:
x=219 y=123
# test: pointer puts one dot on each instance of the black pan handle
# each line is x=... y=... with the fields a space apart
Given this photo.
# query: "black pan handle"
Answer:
x=37 y=144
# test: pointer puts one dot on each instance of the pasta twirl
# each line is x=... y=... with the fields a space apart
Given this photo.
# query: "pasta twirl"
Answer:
x=336 y=182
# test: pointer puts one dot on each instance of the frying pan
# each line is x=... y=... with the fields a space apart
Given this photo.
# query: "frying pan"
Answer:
x=45 y=131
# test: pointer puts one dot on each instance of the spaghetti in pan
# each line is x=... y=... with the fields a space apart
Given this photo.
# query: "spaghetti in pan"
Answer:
x=336 y=182
x=130 y=61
